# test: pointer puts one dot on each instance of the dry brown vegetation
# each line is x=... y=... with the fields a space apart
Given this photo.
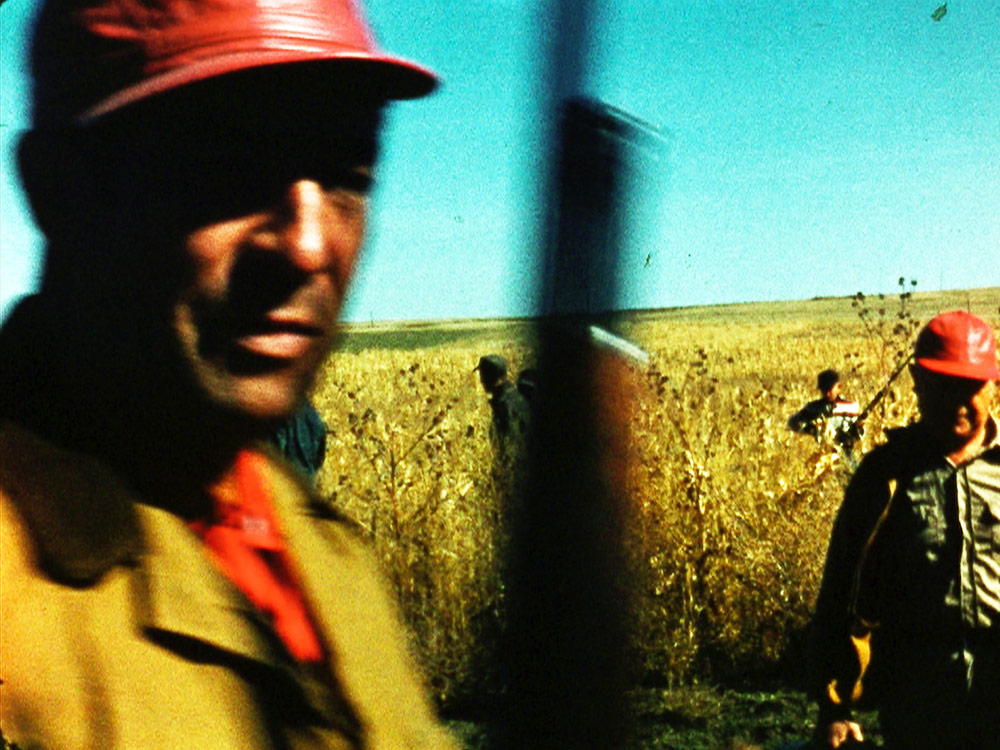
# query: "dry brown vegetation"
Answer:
x=731 y=511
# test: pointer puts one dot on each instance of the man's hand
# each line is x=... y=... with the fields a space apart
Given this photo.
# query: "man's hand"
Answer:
x=843 y=733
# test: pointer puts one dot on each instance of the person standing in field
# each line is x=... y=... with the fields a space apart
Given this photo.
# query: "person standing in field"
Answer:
x=831 y=416
x=201 y=172
x=511 y=413
x=914 y=560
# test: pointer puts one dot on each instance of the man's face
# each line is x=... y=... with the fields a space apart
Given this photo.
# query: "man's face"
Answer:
x=832 y=393
x=259 y=311
x=267 y=226
x=954 y=409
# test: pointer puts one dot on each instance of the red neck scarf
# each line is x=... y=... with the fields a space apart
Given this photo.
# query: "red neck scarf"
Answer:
x=246 y=544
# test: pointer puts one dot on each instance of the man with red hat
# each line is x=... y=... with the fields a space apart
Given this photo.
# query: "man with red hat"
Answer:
x=908 y=616
x=201 y=172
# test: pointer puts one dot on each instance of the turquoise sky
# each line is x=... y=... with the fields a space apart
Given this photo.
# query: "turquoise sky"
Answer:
x=808 y=149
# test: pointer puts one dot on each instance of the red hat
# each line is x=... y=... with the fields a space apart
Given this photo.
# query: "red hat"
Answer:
x=959 y=344
x=91 y=57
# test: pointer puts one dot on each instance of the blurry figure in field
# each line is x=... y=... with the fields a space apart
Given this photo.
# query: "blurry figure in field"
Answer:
x=914 y=559
x=201 y=171
x=302 y=440
x=511 y=414
x=831 y=416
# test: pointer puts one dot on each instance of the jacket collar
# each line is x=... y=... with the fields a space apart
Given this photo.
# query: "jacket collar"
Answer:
x=80 y=516
x=83 y=522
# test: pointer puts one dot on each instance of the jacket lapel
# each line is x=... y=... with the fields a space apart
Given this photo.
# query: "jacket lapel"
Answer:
x=366 y=644
x=180 y=593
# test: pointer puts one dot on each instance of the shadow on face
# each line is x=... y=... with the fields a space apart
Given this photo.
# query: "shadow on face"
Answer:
x=955 y=409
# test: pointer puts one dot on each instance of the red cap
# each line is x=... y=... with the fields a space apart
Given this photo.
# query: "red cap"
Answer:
x=959 y=344
x=91 y=57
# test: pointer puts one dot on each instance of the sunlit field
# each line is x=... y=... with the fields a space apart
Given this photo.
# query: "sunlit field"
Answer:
x=730 y=510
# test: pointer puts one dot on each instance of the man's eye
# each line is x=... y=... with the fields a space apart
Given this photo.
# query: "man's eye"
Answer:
x=348 y=201
x=347 y=180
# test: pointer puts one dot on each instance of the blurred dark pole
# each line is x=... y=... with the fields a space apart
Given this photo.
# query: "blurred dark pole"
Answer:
x=564 y=657
x=597 y=146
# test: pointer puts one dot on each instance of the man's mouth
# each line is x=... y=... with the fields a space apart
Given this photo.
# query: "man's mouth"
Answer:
x=279 y=336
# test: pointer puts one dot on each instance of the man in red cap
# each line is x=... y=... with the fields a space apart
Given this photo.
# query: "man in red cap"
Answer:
x=201 y=171
x=914 y=563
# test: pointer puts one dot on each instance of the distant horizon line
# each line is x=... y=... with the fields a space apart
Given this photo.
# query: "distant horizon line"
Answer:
x=419 y=322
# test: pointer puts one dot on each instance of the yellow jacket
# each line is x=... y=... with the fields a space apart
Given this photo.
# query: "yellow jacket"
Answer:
x=117 y=631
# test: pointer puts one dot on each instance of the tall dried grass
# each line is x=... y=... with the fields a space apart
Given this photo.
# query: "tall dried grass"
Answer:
x=731 y=511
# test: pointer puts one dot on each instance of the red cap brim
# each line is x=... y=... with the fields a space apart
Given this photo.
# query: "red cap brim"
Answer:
x=390 y=78
x=961 y=369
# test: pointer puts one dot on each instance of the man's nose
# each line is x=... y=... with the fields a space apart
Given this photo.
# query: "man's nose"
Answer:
x=305 y=236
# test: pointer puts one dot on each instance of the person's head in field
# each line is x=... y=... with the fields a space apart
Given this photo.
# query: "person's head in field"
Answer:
x=828 y=383
x=955 y=378
x=492 y=370
x=201 y=171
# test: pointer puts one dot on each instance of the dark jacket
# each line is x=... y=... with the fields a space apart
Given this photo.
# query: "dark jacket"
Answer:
x=511 y=413
x=931 y=582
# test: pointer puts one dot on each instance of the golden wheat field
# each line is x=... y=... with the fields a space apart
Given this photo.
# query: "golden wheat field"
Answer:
x=730 y=511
